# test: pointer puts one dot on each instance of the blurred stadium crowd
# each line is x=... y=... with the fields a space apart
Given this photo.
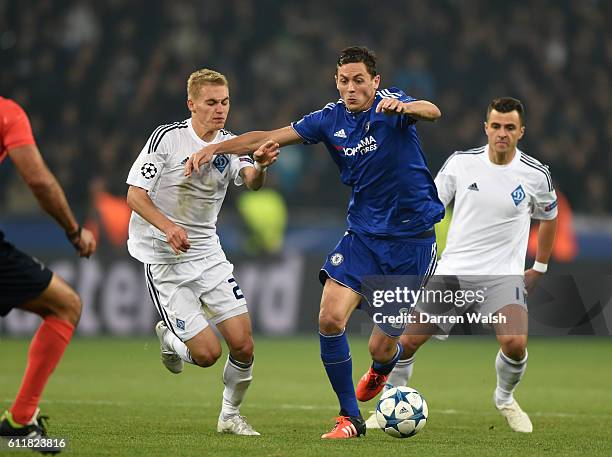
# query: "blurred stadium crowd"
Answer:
x=98 y=77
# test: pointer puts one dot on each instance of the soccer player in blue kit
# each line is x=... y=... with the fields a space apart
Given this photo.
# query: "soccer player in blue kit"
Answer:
x=371 y=136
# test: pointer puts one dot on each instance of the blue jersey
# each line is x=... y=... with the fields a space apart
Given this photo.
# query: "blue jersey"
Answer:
x=380 y=157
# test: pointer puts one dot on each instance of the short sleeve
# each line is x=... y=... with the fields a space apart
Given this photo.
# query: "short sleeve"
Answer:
x=545 y=199
x=17 y=128
x=237 y=164
x=149 y=164
x=446 y=180
x=309 y=127
x=403 y=120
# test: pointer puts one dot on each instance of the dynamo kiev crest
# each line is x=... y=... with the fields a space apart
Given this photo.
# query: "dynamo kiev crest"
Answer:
x=518 y=195
x=221 y=162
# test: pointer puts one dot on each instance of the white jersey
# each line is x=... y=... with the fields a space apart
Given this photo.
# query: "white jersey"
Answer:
x=193 y=203
x=489 y=230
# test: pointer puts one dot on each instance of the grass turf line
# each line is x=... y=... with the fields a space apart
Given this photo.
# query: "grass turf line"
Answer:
x=113 y=397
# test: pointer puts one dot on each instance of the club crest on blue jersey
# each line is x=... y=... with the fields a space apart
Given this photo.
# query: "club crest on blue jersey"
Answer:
x=336 y=259
x=518 y=195
x=180 y=324
x=221 y=163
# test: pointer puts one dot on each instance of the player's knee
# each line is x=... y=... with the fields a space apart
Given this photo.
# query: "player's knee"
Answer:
x=331 y=323
x=243 y=351
x=514 y=346
x=206 y=357
x=69 y=306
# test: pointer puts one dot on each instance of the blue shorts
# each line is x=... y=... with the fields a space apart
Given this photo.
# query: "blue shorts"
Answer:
x=357 y=256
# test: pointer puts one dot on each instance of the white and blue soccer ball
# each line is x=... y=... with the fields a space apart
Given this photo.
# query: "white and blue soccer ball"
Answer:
x=401 y=412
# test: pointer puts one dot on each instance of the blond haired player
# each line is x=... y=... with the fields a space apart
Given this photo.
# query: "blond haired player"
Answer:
x=173 y=233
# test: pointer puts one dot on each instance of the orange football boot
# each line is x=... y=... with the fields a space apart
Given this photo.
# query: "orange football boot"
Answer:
x=370 y=385
x=346 y=427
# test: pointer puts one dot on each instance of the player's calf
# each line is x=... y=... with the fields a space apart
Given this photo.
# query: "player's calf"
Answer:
x=382 y=347
x=414 y=337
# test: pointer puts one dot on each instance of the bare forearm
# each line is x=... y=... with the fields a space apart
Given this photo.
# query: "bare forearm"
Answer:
x=546 y=240
x=52 y=199
x=254 y=179
x=247 y=142
x=422 y=110
x=140 y=202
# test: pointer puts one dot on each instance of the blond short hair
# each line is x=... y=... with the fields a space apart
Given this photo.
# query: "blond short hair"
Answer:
x=201 y=77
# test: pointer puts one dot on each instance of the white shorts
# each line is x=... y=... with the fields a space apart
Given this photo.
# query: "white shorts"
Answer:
x=489 y=295
x=191 y=295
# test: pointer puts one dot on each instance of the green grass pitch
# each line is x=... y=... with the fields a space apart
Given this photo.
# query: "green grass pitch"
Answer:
x=112 y=397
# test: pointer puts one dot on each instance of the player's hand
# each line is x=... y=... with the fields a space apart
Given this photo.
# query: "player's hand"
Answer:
x=177 y=238
x=201 y=157
x=390 y=106
x=83 y=241
x=267 y=153
x=531 y=279
x=86 y=243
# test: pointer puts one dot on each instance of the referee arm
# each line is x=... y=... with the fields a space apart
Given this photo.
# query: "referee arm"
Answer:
x=50 y=196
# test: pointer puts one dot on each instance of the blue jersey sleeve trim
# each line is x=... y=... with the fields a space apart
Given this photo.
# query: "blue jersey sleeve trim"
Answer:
x=305 y=141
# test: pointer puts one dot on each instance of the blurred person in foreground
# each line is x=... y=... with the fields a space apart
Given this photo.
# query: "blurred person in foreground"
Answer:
x=27 y=284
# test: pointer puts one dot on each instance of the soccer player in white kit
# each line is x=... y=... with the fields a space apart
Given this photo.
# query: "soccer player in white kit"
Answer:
x=497 y=189
x=173 y=233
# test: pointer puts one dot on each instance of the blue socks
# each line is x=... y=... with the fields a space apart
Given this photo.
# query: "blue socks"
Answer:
x=386 y=368
x=336 y=357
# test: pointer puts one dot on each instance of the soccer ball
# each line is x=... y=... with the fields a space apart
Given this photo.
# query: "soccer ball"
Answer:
x=401 y=412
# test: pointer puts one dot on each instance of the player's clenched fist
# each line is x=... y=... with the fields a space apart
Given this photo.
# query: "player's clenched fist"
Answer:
x=86 y=245
x=201 y=157
x=390 y=106
x=267 y=153
x=177 y=238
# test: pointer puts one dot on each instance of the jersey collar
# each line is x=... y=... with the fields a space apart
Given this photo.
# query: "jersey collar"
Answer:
x=199 y=140
x=515 y=160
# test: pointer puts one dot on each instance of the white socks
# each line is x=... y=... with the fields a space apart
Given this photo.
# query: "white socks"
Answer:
x=401 y=373
x=172 y=341
x=237 y=377
x=509 y=374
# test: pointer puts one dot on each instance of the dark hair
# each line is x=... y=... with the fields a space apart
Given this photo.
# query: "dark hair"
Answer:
x=355 y=54
x=507 y=105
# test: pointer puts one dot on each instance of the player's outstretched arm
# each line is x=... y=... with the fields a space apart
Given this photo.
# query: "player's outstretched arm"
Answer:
x=139 y=201
x=546 y=240
x=246 y=142
x=266 y=155
x=32 y=168
x=421 y=110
